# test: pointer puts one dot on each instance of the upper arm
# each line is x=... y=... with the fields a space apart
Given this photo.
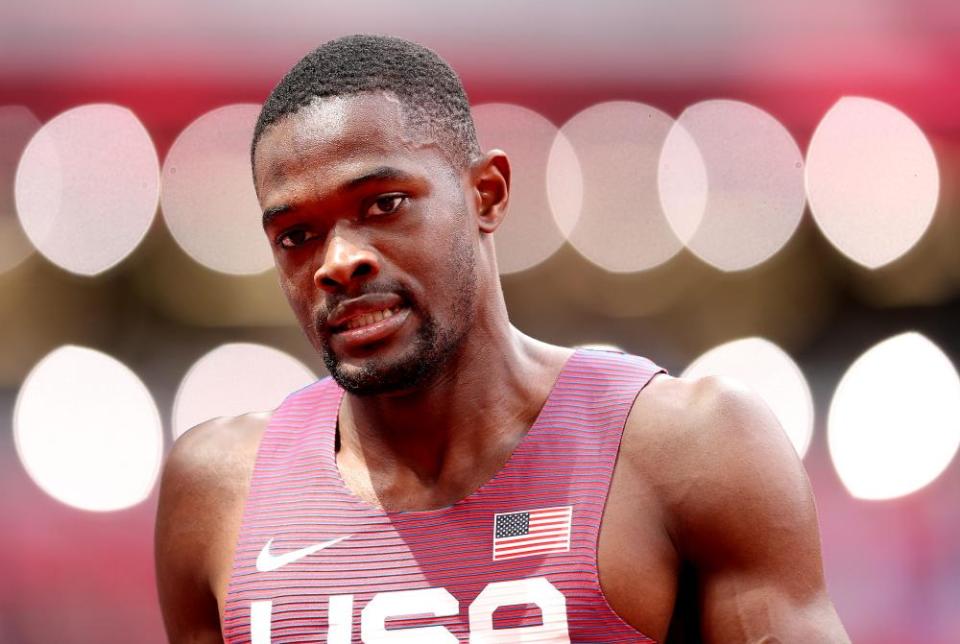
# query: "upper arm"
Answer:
x=744 y=517
x=183 y=537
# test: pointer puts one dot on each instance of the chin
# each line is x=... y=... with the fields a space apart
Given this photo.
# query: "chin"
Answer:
x=384 y=373
x=375 y=376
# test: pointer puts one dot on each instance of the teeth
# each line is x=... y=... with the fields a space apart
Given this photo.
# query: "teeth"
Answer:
x=370 y=318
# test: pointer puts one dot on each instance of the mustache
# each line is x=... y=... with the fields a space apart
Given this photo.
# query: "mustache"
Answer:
x=333 y=300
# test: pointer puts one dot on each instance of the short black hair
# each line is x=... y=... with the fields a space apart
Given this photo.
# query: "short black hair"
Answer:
x=430 y=91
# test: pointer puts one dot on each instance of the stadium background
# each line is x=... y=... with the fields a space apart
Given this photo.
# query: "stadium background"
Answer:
x=827 y=233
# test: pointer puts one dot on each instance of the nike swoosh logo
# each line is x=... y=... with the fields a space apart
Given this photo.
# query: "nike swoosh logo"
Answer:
x=267 y=562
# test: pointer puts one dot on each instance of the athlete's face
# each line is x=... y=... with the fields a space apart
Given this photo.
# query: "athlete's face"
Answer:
x=372 y=239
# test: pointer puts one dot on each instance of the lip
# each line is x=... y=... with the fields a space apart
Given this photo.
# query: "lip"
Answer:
x=347 y=339
x=360 y=306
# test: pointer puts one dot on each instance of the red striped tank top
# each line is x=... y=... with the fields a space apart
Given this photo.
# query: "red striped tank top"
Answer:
x=515 y=561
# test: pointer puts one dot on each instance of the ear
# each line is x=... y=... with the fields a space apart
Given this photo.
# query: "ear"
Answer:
x=490 y=178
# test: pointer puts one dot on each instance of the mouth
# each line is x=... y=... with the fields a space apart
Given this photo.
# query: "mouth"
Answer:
x=368 y=319
x=366 y=327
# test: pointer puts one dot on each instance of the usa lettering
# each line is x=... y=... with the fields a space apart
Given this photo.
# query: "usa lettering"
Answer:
x=439 y=603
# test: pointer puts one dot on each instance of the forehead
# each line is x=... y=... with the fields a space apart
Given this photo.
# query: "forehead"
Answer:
x=334 y=138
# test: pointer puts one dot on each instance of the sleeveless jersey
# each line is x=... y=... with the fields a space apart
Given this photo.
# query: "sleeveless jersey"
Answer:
x=515 y=561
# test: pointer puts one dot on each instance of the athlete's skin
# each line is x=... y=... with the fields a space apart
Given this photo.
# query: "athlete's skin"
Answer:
x=710 y=529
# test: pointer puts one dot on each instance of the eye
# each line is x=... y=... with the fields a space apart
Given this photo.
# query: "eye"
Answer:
x=294 y=238
x=386 y=205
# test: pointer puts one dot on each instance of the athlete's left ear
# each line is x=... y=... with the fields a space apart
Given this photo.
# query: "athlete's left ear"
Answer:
x=490 y=179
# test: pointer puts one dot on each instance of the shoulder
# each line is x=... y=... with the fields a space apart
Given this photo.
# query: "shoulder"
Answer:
x=693 y=421
x=215 y=451
x=736 y=503
x=687 y=414
x=715 y=454
x=217 y=456
x=204 y=480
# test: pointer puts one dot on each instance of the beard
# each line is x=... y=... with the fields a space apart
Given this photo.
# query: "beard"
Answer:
x=433 y=345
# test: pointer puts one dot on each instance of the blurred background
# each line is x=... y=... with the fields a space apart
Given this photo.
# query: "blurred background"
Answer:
x=761 y=190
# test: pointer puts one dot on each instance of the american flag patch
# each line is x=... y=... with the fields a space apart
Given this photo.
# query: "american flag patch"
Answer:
x=534 y=532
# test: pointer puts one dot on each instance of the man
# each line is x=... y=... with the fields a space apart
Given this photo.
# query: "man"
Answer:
x=457 y=480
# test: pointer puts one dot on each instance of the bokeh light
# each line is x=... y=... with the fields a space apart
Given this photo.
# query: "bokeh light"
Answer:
x=621 y=225
x=894 y=422
x=86 y=188
x=564 y=184
x=731 y=183
x=235 y=379
x=529 y=234
x=683 y=182
x=208 y=199
x=872 y=180
x=17 y=127
x=87 y=431
x=772 y=374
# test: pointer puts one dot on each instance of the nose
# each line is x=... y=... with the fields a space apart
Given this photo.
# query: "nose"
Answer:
x=345 y=262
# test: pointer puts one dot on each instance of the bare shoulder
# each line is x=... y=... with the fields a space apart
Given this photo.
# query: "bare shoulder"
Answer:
x=710 y=444
x=204 y=483
x=738 y=507
x=217 y=451
x=696 y=410
x=208 y=469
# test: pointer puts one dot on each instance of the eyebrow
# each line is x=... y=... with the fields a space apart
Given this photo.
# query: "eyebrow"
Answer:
x=273 y=212
x=381 y=173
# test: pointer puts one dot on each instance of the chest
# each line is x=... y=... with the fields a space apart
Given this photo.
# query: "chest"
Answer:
x=516 y=560
x=346 y=571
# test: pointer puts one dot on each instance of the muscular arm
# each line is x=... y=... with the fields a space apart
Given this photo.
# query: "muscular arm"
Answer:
x=181 y=541
x=743 y=516
x=204 y=483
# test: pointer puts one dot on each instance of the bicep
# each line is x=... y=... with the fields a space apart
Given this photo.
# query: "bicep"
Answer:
x=190 y=610
x=749 y=526
x=736 y=606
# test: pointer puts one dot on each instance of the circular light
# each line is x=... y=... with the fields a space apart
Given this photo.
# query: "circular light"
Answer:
x=769 y=371
x=731 y=183
x=872 y=180
x=529 y=234
x=86 y=188
x=682 y=182
x=894 y=422
x=87 y=430
x=621 y=225
x=208 y=199
x=17 y=126
x=564 y=184
x=235 y=379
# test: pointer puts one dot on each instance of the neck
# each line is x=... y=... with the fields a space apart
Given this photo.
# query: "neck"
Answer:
x=434 y=445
